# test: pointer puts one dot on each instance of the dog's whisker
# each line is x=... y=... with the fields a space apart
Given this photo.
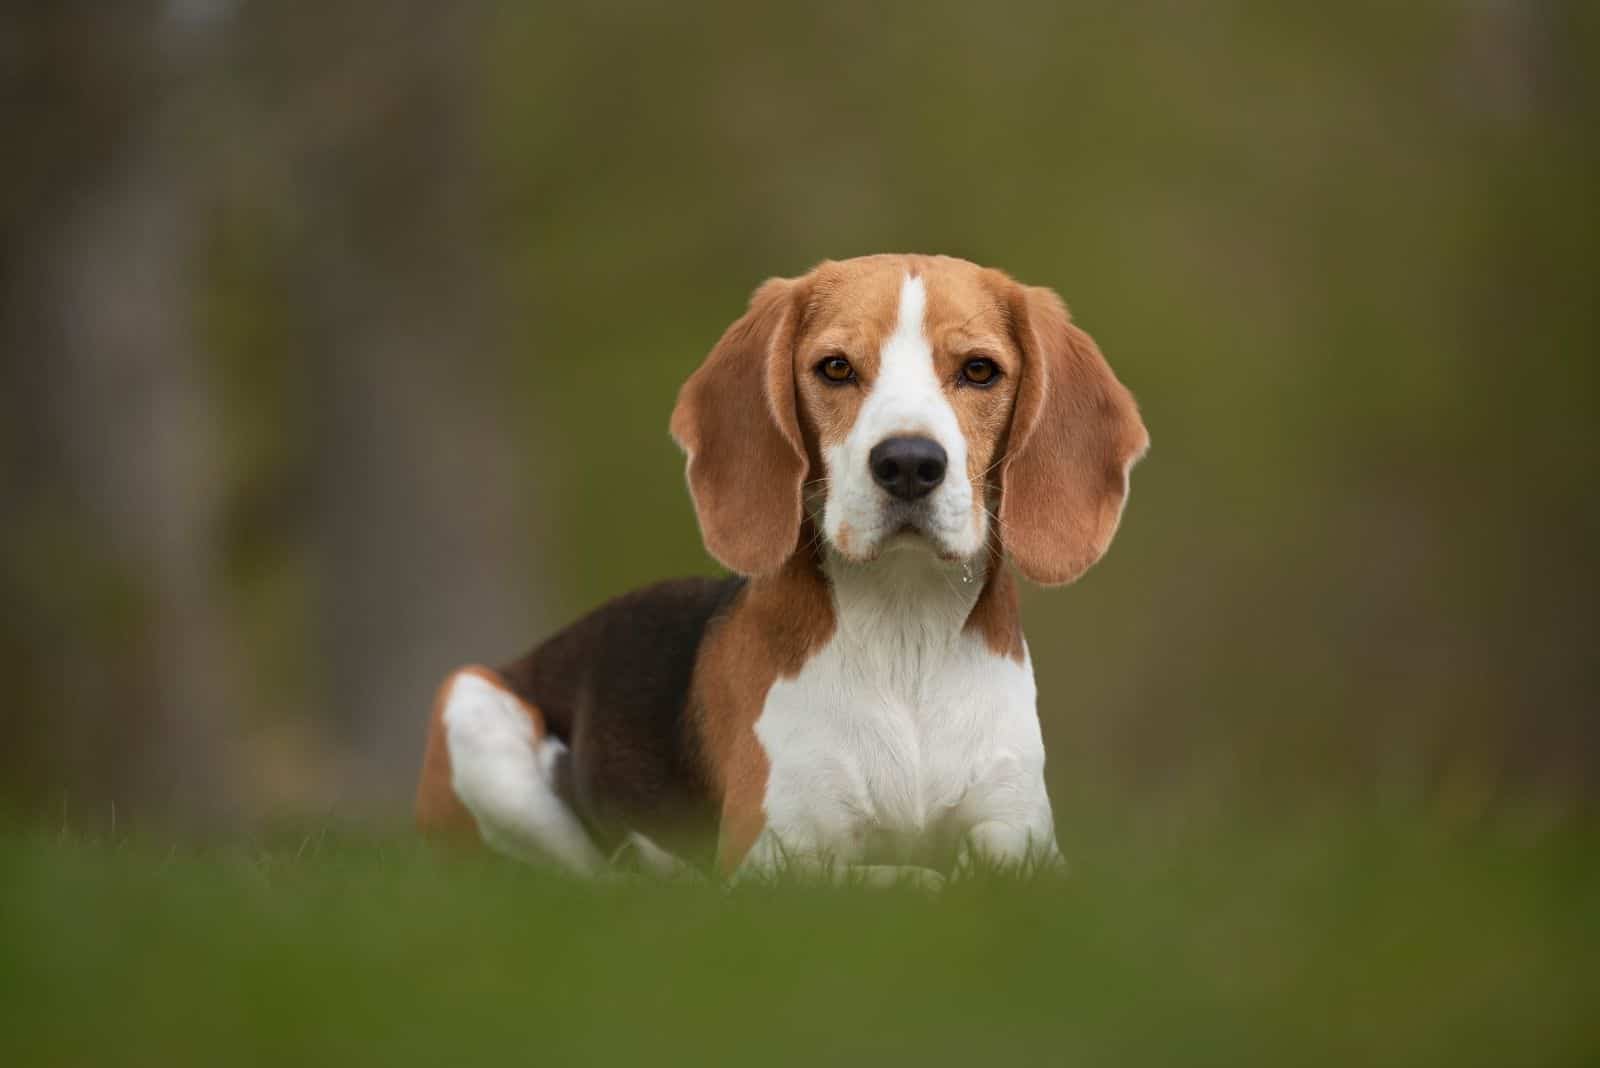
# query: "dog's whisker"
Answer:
x=984 y=474
x=994 y=517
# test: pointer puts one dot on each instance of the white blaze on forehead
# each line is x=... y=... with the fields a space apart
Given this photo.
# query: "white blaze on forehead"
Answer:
x=908 y=346
x=906 y=398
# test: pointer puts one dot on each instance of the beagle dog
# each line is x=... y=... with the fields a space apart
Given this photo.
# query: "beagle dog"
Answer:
x=867 y=447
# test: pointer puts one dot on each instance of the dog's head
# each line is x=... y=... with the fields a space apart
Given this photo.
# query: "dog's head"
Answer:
x=915 y=402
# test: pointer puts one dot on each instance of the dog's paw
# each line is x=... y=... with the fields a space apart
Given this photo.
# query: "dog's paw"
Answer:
x=896 y=877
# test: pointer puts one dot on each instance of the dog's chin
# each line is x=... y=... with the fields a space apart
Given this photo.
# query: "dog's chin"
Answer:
x=895 y=539
x=909 y=538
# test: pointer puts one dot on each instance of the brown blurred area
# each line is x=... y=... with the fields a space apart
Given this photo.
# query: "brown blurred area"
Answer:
x=338 y=343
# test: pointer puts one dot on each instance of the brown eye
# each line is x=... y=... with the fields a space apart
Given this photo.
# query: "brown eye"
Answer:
x=836 y=369
x=980 y=371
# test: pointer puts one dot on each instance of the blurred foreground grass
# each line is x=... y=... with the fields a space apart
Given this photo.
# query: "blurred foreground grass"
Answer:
x=1327 y=940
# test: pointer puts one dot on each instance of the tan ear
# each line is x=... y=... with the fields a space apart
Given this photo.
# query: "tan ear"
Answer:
x=736 y=419
x=1075 y=434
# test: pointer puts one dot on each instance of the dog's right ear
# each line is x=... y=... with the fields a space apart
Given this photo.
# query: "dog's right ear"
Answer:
x=735 y=418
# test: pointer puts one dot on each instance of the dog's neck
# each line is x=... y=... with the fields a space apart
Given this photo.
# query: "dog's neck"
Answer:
x=907 y=597
x=906 y=600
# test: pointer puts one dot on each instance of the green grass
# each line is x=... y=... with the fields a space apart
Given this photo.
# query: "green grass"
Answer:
x=1335 y=941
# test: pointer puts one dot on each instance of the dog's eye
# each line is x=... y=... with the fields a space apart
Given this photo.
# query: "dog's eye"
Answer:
x=980 y=371
x=836 y=369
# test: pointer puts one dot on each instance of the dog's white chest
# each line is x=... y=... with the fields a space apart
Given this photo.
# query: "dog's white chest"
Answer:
x=888 y=746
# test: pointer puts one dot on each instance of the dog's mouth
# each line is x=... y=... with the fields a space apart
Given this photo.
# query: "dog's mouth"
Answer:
x=899 y=527
x=913 y=533
x=907 y=535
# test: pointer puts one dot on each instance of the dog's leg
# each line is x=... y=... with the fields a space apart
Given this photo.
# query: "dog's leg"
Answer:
x=1009 y=827
x=500 y=763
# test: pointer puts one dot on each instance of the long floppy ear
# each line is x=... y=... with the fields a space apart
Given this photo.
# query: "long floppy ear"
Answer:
x=736 y=419
x=1075 y=434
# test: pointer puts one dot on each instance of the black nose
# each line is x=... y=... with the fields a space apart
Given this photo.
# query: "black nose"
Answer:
x=907 y=467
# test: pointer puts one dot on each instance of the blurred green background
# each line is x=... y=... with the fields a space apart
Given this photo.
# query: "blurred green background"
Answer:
x=340 y=341
x=338 y=345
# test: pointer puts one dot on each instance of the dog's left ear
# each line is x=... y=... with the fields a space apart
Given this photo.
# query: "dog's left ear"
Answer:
x=1075 y=435
x=736 y=419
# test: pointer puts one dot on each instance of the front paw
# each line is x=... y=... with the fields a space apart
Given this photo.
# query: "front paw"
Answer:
x=991 y=856
x=896 y=877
